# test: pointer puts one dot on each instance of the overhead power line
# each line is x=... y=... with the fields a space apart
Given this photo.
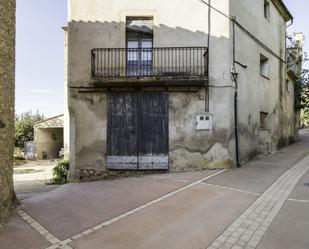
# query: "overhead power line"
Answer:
x=246 y=31
x=219 y=11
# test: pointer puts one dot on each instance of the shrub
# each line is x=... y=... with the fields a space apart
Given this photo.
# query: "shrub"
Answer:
x=19 y=158
x=24 y=127
x=60 y=172
x=19 y=154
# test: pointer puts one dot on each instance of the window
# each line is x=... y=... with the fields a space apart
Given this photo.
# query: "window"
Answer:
x=139 y=46
x=266 y=9
x=263 y=120
x=264 y=68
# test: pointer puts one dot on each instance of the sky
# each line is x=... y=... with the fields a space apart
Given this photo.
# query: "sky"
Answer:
x=40 y=56
x=299 y=10
x=39 y=52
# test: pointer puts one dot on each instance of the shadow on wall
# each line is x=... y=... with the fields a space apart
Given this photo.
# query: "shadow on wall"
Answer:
x=48 y=142
x=89 y=109
x=85 y=36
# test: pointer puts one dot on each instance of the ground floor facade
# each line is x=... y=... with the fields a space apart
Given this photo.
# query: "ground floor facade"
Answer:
x=161 y=129
x=145 y=130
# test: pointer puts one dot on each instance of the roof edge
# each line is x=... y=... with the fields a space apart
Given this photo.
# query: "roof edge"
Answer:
x=283 y=10
x=39 y=122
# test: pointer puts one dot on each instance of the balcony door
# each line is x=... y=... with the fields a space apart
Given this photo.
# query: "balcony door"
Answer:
x=139 y=46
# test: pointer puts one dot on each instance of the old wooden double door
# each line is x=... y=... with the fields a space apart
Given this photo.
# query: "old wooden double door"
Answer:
x=137 y=130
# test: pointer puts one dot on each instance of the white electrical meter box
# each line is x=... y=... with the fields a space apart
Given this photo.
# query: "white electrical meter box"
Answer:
x=204 y=122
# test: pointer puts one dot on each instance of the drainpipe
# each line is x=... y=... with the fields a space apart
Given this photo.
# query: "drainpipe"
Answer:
x=236 y=129
x=286 y=35
x=234 y=78
x=291 y=23
x=208 y=56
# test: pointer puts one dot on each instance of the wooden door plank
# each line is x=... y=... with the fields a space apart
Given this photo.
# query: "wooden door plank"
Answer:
x=153 y=130
x=121 y=130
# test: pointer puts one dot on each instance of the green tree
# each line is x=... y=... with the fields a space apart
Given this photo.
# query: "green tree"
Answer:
x=24 y=127
x=304 y=105
x=301 y=97
x=302 y=91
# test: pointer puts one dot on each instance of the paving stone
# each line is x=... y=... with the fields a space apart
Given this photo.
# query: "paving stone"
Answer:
x=236 y=247
x=258 y=217
x=78 y=236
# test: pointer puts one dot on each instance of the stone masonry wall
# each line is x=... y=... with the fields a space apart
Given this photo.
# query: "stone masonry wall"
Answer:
x=7 y=89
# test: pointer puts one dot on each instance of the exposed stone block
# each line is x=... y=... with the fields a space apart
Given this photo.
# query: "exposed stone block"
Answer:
x=7 y=78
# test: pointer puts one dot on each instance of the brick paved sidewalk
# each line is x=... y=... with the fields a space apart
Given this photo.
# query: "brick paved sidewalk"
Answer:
x=233 y=209
x=247 y=231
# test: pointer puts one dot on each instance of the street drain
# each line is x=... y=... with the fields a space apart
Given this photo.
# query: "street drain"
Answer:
x=306 y=184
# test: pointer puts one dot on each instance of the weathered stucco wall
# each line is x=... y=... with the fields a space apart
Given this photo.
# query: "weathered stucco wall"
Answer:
x=48 y=143
x=289 y=117
x=101 y=24
x=66 y=117
x=7 y=89
x=48 y=138
x=96 y=24
x=88 y=132
x=256 y=93
x=191 y=148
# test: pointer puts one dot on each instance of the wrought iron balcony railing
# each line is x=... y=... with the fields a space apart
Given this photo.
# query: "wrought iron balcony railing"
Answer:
x=149 y=62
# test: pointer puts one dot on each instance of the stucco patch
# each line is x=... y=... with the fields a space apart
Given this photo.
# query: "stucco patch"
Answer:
x=216 y=158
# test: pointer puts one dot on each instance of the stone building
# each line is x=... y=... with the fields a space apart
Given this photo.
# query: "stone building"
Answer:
x=7 y=79
x=175 y=85
x=48 y=138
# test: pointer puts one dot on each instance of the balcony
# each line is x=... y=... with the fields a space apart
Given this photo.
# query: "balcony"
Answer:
x=166 y=66
x=294 y=62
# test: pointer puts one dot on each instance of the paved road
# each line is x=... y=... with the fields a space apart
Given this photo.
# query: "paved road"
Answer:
x=30 y=178
x=264 y=205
